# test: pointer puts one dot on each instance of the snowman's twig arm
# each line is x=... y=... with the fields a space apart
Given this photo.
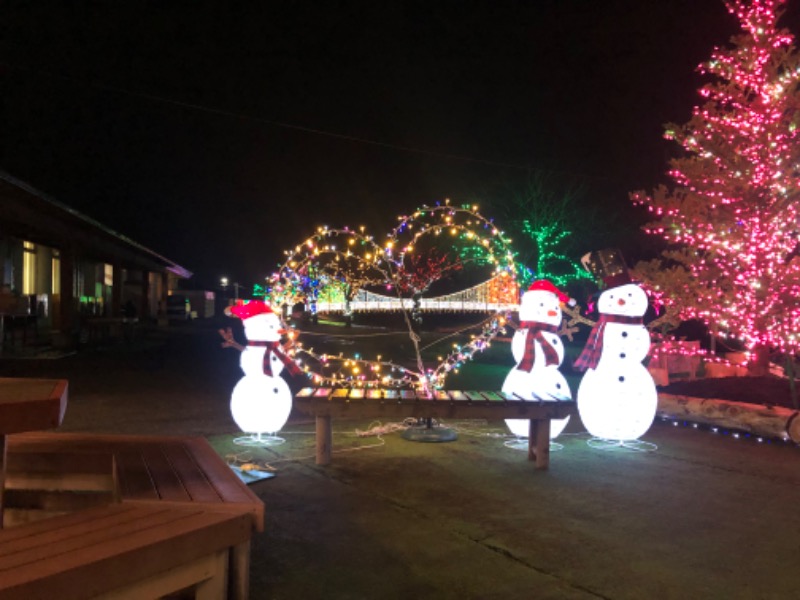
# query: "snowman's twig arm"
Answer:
x=576 y=317
x=229 y=341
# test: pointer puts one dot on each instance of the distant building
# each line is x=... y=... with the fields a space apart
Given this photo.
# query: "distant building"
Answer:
x=62 y=269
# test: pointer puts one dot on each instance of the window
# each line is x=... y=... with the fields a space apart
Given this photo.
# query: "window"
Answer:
x=108 y=274
x=56 y=272
x=28 y=268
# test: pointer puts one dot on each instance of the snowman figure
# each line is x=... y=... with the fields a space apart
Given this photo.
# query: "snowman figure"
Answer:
x=617 y=397
x=261 y=401
x=538 y=352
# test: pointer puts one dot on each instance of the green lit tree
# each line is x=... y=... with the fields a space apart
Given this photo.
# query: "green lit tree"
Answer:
x=549 y=226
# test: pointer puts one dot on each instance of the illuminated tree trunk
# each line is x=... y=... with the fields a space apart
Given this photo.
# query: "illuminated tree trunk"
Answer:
x=759 y=362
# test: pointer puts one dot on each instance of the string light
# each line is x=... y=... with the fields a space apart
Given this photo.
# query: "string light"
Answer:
x=733 y=433
x=337 y=268
x=734 y=215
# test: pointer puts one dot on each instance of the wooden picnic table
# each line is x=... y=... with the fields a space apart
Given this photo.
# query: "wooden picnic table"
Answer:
x=28 y=405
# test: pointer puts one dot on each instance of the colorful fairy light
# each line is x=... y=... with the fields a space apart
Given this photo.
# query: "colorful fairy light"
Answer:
x=346 y=265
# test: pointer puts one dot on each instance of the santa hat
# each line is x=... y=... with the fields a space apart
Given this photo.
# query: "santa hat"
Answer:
x=543 y=285
x=251 y=309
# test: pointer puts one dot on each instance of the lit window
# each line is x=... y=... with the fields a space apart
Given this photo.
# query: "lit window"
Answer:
x=56 y=272
x=28 y=268
x=108 y=274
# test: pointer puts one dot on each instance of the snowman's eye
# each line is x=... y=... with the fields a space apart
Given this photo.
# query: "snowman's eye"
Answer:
x=541 y=303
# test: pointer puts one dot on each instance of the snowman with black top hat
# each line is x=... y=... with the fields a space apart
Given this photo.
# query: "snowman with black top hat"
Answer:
x=617 y=398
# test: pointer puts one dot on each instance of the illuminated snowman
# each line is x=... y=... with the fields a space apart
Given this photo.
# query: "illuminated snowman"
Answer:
x=261 y=401
x=538 y=352
x=617 y=397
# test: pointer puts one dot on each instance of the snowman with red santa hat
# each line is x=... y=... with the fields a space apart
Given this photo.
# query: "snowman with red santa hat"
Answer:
x=538 y=352
x=261 y=401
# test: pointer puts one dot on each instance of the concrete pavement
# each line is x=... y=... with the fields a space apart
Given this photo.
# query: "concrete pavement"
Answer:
x=703 y=516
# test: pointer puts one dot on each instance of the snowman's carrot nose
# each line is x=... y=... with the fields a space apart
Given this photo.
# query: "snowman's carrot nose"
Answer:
x=621 y=302
x=283 y=331
x=551 y=313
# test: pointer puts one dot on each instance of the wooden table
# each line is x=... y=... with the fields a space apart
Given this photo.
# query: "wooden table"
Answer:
x=28 y=405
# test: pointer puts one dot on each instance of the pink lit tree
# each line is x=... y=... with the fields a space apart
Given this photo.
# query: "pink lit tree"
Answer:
x=732 y=216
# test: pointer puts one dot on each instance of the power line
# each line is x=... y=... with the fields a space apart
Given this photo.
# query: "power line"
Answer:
x=291 y=126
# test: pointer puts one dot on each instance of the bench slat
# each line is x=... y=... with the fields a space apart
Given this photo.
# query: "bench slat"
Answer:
x=148 y=541
x=73 y=538
x=231 y=490
x=195 y=481
x=184 y=469
x=167 y=479
x=133 y=476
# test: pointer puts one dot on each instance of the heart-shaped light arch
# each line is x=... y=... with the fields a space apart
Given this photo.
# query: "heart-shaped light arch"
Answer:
x=355 y=258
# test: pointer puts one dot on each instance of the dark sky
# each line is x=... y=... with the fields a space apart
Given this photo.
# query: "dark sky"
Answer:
x=186 y=125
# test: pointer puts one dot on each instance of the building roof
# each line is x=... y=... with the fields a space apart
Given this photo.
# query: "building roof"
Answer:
x=30 y=214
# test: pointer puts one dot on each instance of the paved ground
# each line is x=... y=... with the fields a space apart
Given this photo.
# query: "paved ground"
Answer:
x=703 y=516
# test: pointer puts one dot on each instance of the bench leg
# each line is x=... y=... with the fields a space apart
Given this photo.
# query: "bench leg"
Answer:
x=324 y=440
x=3 y=456
x=240 y=572
x=214 y=588
x=539 y=443
x=207 y=575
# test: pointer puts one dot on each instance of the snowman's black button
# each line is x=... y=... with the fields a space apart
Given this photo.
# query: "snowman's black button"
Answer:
x=624 y=334
x=275 y=390
x=622 y=378
x=622 y=355
x=558 y=386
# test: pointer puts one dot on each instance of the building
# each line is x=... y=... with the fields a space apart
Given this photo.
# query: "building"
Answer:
x=62 y=271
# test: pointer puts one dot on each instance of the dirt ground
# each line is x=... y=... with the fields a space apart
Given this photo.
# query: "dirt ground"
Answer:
x=696 y=516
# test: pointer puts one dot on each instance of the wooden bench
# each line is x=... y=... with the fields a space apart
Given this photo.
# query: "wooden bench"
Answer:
x=326 y=403
x=121 y=551
x=55 y=473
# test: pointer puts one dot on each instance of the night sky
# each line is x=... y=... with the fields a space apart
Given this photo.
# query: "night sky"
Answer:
x=220 y=134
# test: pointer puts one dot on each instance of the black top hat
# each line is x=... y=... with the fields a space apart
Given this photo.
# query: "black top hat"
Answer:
x=607 y=266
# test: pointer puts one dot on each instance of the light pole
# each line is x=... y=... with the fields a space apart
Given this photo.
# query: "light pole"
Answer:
x=225 y=282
